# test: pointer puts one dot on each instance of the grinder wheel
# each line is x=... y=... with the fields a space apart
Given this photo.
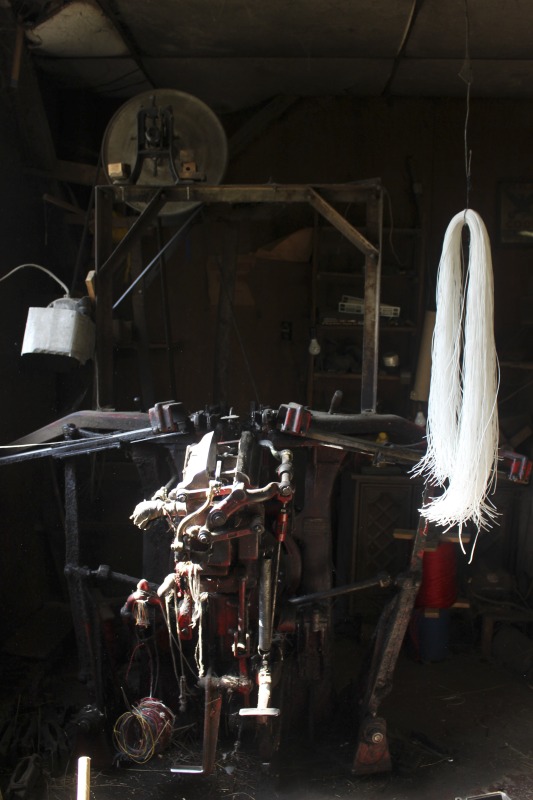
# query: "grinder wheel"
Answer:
x=198 y=137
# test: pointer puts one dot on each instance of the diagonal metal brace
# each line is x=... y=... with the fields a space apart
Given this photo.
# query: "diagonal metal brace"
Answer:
x=372 y=752
x=342 y=224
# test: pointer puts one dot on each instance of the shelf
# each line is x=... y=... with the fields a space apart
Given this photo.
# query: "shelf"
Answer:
x=151 y=346
x=353 y=376
x=363 y=229
x=386 y=272
x=340 y=276
x=517 y=364
x=358 y=326
x=396 y=279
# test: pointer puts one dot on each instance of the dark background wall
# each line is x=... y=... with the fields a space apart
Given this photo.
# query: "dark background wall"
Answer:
x=407 y=143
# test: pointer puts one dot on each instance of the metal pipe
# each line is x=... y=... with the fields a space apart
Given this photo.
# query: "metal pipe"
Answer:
x=382 y=579
x=173 y=239
x=265 y=605
x=166 y=315
x=80 y=613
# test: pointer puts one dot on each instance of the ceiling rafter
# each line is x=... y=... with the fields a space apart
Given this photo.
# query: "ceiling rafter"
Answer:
x=109 y=10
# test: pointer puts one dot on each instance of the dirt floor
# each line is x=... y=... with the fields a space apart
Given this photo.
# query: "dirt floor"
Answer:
x=457 y=728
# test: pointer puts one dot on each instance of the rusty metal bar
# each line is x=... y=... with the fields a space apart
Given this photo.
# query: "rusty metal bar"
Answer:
x=103 y=210
x=212 y=709
x=146 y=378
x=165 y=308
x=382 y=581
x=89 y=669
x=96 y=420
x=249 y=193
x=166 y=249
x=342 y=224
x=133 y=236
x=318 y=196
x=372 y=754
x=370 y=358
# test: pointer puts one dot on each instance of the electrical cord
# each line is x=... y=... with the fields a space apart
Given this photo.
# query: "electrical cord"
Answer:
x=43 y=269
x=391 y=232
x=144 y=731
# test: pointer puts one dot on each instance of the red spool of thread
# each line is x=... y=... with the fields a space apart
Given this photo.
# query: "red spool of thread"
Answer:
x=439 y=578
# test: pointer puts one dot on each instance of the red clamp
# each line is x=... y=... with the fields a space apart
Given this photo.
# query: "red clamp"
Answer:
x=297 y=419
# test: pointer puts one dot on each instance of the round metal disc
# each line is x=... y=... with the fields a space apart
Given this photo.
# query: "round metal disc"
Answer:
x=196 y=129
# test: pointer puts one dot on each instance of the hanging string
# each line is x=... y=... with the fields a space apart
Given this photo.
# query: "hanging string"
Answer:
x=467 y=76
x=140 y=645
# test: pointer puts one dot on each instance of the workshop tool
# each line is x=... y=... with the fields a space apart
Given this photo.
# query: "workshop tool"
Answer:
x=162 y=138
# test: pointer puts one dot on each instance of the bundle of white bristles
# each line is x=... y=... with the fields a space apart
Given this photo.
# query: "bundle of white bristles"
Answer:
x=462 y=418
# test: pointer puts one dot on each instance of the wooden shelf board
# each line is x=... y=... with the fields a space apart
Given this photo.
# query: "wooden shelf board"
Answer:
x=517 y=364
x=354 y=376
x=359 y=326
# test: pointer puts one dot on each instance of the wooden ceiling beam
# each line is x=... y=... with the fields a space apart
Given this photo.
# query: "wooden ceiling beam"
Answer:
x=24 y=97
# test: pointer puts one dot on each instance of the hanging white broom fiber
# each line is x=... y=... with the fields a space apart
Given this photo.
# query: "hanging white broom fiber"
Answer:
x=462 y=419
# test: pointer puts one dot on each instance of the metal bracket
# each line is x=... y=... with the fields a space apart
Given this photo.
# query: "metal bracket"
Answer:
x=372 y=753
x=213 y=706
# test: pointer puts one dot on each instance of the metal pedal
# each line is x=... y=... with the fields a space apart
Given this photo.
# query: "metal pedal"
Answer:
x=213 y=706
x=188 y=770
x=259 y=712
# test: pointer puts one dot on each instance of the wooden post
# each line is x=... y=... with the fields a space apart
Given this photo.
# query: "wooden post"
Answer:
x=84 y=778
x=227 y=263
x=141 y=332
x=104 y=300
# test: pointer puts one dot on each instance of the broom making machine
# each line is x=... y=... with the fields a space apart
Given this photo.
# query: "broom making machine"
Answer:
x=235 y=618
x=247 y=605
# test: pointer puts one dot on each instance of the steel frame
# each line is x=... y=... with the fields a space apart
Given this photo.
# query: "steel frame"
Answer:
x=321 y=198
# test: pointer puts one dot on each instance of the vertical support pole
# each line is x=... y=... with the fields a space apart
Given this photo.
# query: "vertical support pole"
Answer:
x=104 y=299
x=139 y=319
x=166 y=316
x=313 y=319
x=313 y=533
x=227 y=274
x=370 y=359
x=265 y=607
x=372 y=753
x=213 y=707
x=80 y=614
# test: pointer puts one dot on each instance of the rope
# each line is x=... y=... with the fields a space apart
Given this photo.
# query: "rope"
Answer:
x=462 y=424
x=192 y=573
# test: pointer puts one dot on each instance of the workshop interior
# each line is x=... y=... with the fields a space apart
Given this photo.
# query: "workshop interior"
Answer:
x=266 y=430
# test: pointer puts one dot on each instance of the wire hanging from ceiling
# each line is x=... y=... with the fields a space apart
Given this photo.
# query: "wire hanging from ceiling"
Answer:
x=466 y=75
x=408 y=30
